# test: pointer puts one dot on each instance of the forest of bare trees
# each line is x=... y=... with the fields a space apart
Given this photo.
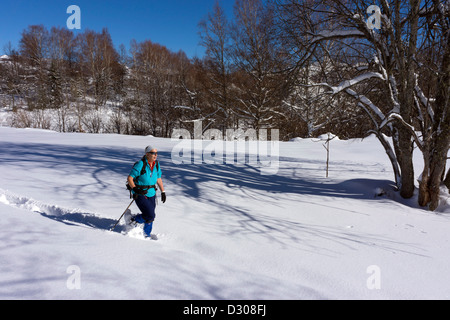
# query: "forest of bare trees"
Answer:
x=306 y=67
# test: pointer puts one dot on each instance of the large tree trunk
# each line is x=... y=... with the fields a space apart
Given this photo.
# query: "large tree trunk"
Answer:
x=441 y=147
x=404 y=152
x=424 y=194
x=407 y=77
x=437 y=169
x=441 y=129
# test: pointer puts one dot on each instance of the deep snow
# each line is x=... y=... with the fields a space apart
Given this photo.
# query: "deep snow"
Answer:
x=225 y=232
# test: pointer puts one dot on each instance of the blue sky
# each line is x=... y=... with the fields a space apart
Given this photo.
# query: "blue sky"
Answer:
x=172 y=23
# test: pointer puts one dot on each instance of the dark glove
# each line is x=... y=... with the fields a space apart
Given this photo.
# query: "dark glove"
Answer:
x=163 y=197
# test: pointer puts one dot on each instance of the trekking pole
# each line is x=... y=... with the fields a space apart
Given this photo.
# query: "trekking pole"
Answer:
x=112 y=229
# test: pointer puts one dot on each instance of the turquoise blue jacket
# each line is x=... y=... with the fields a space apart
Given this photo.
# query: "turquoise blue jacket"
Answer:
x=149 y=178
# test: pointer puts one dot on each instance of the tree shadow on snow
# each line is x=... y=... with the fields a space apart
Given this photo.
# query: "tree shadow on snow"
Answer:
x=68 y=162
x=106 y=162
x=285 y=231
x=110 y=166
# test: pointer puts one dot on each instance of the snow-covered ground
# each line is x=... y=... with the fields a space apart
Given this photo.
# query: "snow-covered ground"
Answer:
x=225 y=232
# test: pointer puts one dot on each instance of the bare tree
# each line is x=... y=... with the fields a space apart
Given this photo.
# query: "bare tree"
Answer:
x=433 y=108
x=261 y=62
x=215 y=37
x=388 y=65
x=34 y=48
x=63 y=69
x=100 y=63
x=12 y=75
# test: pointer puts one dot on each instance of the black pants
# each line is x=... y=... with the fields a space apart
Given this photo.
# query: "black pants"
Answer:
x=147 y=206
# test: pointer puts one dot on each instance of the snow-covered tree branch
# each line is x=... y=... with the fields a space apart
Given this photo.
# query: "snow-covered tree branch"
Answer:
x=404 y=83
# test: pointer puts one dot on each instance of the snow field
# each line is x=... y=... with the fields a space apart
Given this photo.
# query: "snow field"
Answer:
x=225 y=232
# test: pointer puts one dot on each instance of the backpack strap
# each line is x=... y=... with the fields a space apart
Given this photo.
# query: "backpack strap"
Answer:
x=144 y=166
x=143 y=170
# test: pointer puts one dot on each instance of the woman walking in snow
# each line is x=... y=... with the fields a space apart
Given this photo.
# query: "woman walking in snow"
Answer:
x=143 y=180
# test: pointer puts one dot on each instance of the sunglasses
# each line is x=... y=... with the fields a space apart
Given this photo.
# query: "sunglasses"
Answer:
x=153 y=153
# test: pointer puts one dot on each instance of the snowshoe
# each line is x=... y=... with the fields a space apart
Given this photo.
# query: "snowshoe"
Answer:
x=152 y=237
x=130 y=223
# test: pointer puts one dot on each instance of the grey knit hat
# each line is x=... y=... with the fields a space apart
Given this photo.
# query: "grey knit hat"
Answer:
x=148 y=149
